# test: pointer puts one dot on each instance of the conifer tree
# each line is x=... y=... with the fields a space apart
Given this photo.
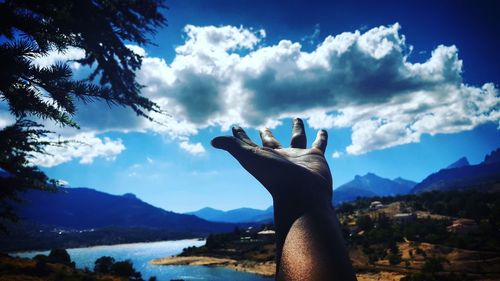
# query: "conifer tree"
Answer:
x=31 y=29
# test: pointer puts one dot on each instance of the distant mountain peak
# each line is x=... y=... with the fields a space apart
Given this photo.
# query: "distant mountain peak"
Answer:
x=404 y=181
x=462 y=162
x=208 y=209
x=129 y=195
x=368 y=175
x=371 y=185
x=493 y=157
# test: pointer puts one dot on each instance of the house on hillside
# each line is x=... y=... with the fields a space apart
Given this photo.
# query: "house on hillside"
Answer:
x=403 y=218
x=376 y=205
x=267 y=235
x=462 y=226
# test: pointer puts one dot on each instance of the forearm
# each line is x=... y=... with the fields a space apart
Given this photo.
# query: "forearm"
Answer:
x=309 y=243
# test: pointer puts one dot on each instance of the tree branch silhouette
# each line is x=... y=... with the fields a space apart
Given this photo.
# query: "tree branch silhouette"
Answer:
x=30 y=30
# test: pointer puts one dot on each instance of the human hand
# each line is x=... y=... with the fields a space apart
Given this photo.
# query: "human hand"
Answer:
x=309 y=243
x=296 y=173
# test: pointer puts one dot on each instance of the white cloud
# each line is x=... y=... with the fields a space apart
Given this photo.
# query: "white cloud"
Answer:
x=361 y=80
x=364 y=81
x=401 y=122
x=52 y=57
x=61 y=182
x=84 y=146
x=6 y=119
x=194 y=149
x=336 y=154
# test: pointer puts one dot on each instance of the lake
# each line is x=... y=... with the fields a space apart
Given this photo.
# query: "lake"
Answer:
x=141 y=253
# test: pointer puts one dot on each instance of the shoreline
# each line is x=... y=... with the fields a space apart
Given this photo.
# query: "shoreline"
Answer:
x=266 y=269
x=102 y=246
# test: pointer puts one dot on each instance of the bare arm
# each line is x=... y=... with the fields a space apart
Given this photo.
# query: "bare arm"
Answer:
x=308 y=238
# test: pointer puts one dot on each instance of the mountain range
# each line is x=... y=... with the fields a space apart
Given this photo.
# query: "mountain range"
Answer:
x=236 y=215
x=371 y=185
x=458 y=175
x=461 y=175
x=85 y=208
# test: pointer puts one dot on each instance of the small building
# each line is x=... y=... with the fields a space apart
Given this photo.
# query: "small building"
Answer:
x=403 y=218
x=267 y=234
x=376 y=205
x=462 y=226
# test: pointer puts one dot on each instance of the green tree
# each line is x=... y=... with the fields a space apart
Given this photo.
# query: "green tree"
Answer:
x=394 y=259
x=364 y=222
x=59 y=256
x=433 y=265
x=103 y=265
x=125 y=269
x=30 y=30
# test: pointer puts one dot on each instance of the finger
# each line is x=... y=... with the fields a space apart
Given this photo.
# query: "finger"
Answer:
x=268 y=140
x=242 y=152
x=321 y=140
x=239 y=133
x=298 y=134
x=230 y=144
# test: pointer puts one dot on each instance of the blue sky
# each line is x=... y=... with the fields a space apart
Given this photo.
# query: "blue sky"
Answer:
x=382 y=121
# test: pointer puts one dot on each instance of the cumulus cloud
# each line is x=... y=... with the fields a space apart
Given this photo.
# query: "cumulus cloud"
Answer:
x=84 y=146
x=363 y=80
x=336 y=154
x=192 y=148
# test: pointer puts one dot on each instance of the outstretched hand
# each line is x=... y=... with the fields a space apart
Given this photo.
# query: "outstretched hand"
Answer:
x=294 y=173
x=309 y=244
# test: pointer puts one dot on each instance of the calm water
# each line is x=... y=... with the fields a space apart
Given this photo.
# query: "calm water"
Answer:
x=141 y=253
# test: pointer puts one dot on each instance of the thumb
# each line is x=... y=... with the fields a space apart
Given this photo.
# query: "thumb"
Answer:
x=228 y=143
x=238 y=149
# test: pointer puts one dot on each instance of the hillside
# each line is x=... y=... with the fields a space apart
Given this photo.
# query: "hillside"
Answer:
x=77 y=217
x=84 y=208
x=382 y=245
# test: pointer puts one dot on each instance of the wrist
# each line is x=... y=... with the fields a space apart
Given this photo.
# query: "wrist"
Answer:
x=291 y=206
x=300 y=198
x=295 y=201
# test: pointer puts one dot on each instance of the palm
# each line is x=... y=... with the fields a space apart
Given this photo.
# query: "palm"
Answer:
x=278 y=168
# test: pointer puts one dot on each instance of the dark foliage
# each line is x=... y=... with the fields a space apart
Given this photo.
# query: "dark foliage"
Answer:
x=125 y=269
x=17 y=145
x=239 y=245
x=59 y=256
x=430 y=272
x=108 y=265
x=103 y=265
x=29 y=30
